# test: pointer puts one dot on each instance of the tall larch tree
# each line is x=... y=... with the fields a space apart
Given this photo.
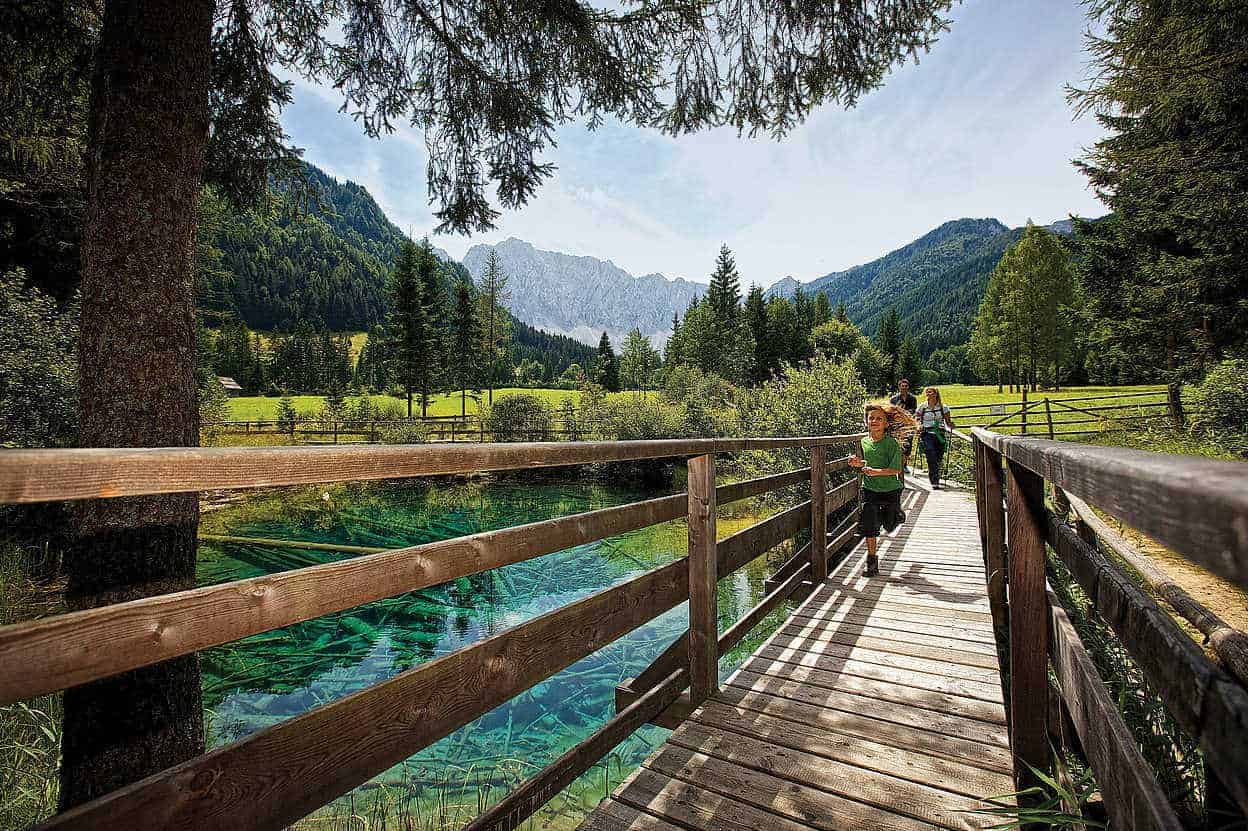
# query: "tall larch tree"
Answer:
x=492 y=297
x=188 y=91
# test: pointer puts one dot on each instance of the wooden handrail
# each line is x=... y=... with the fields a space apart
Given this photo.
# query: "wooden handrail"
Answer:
x=1197 y=507
x=28 y=476
x=1228 y=643
x=277 y=775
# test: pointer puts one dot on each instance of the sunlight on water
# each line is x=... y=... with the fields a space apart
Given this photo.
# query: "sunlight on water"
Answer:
x=263 y=680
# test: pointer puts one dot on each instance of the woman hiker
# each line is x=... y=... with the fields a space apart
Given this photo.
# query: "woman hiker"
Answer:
x=880 y=465
x=933 y=418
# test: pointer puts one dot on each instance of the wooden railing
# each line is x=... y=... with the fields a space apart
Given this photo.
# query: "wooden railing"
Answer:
x=275 y=776
x=1054 y=414
x=1198 y=508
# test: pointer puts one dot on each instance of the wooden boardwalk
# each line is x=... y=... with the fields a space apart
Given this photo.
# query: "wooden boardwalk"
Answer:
x=877 y=705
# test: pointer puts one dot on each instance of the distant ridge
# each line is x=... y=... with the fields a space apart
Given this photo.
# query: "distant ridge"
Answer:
x=583 y=296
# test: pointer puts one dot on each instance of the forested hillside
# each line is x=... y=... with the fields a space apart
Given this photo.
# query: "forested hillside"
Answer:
x=322 y=260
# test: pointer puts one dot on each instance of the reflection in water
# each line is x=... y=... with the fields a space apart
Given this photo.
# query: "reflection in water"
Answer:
x=271 y=677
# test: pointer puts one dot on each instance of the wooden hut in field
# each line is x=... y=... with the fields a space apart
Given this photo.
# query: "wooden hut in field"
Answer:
x=231 y=387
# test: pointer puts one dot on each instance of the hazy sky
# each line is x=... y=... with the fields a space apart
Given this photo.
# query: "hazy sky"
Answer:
x=979 y=128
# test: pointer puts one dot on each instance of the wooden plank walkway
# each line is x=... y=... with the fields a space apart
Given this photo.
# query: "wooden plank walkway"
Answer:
x=877 y=705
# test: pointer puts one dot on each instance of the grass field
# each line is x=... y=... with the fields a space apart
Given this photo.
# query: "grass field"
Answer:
x=262 y=408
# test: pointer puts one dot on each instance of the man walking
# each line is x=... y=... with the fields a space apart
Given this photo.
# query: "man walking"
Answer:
x=909 y=403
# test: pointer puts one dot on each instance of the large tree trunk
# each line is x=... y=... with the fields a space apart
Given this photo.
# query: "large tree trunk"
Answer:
x=149 y=126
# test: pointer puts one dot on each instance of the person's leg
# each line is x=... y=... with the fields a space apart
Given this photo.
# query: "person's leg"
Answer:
x=869 y=529
x=931 y=452
x=907 y=449
x=939 y=463
x=873 y=562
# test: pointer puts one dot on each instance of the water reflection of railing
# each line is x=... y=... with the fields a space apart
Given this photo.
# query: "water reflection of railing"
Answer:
x=277 y=775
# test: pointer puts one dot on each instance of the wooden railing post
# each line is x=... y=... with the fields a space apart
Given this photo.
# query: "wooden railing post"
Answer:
x=1029 y=632
x=818 y=514
x=703 y=575
x=990 y=476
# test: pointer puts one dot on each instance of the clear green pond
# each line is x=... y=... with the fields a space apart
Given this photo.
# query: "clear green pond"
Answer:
x=265 y=679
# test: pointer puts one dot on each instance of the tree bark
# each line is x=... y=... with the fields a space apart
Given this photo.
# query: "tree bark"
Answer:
x=147 y=134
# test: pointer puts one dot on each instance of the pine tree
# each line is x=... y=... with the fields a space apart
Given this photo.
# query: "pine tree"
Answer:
x=909 y=365
x=756 y=320
x=672 y=349
x=608 y=366
x=432 y=345
x=724 y=293
x=638 y=360
x=841 y=314
x=804 y=307
x=407 y=322
x=823 y=309
x=492 y=297
x=466 y=343
x=888 y=340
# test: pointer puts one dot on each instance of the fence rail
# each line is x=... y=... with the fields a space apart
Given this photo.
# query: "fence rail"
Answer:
x=277 y=775
x=1197 y=507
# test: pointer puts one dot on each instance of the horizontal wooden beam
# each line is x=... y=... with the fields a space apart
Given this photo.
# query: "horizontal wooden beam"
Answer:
x=1127 y=784
x=1197 y=507
x=1204 y=700
x=104 y=473
x=53 y=653
x=737 y=550
x=1228 y=643
x=273 y=777
x=735 y=633
x=537 y=790
x=753 y=487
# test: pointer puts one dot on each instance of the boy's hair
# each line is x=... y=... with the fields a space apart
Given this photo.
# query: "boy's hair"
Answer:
x=900 y=422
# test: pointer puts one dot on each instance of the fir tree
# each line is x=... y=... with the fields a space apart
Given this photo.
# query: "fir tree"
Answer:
x=841 y=314
x=466 y=343
x=407 y=321
x=756 y=320
x=608 y=366
x=823 y=309
x=888 y=340
x=724 y=293
x=492 y=297
x=430 y=357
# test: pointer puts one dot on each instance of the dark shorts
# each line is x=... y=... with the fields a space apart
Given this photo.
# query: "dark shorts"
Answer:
x=880 y=510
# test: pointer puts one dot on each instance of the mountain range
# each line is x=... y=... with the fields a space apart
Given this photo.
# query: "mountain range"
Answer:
x=327 y=263
x=935 y=282
x=583 y=296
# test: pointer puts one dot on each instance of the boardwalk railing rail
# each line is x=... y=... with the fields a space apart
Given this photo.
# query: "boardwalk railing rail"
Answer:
x=280 y=774
x=1198 y=508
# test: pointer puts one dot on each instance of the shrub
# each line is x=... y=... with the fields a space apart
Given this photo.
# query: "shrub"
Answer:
x=38 y=366
x=1220 y=398
x=519 y=417
x=633 y=419
x=824 y=397
x=287 y=416
x=404 y=432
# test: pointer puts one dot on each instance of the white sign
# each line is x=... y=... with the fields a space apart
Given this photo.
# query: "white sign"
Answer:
x=998 y=409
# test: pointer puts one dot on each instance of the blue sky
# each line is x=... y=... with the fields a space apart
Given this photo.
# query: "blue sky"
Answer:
x=980 y=127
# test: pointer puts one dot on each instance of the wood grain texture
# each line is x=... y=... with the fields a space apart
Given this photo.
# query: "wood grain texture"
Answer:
x=818 y=515
x=1204 y=699
x=1197 y=507
x=995 y=565
x=703 y=577
x=57 y=652
x=275 y=776
x=1028 y=624
x=1228 y=643
x=1127 y=784
x=104 y=473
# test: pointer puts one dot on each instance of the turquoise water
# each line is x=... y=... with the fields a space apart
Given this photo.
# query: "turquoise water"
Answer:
x=263 y=680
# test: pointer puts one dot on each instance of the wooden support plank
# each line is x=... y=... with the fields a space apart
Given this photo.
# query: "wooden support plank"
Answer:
x=537 y=790
x=1204 y=700
x=1127 y=784
x=703 y=576
x=279 y=774
x=1197 y=507
x=735 y=551
x=104 y=473
x=994 y=540
x=63 y=651
x=818 y=515
x=1028 y=624
x=614 y=816
x=735 y=491
x=694 y=807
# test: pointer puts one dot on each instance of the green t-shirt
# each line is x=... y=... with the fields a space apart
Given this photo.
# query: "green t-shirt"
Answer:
x=885 y=453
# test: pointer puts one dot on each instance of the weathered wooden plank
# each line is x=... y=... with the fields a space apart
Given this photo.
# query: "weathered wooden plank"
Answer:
x=1197 y=507
x=878 y=672
x=690 y=806
x=535 y=791
x=895 y=630
x=946 y=724
x=104 y=473
x=861 y=652
x=864 y=725
x=1228 y=643
x=1128 y=787
x=703 y=653
x=818 y=515
x=1028 y=624
x=277 y=775
x=897 y=643
x=946 y=774
x=1203 y=699
x=614 y=816
x=735 y=551
x=735 y=491
x=756 y=786
x=735 y=633
x=57 y=652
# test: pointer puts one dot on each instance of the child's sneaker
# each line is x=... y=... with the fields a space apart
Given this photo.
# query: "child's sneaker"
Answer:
x=873 y=567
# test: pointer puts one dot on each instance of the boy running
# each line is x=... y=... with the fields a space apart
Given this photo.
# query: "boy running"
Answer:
x=880 y=465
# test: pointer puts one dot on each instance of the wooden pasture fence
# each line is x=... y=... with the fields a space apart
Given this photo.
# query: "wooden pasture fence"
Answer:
x=274 y=777
x=1052 y=415
x=1197 y=507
